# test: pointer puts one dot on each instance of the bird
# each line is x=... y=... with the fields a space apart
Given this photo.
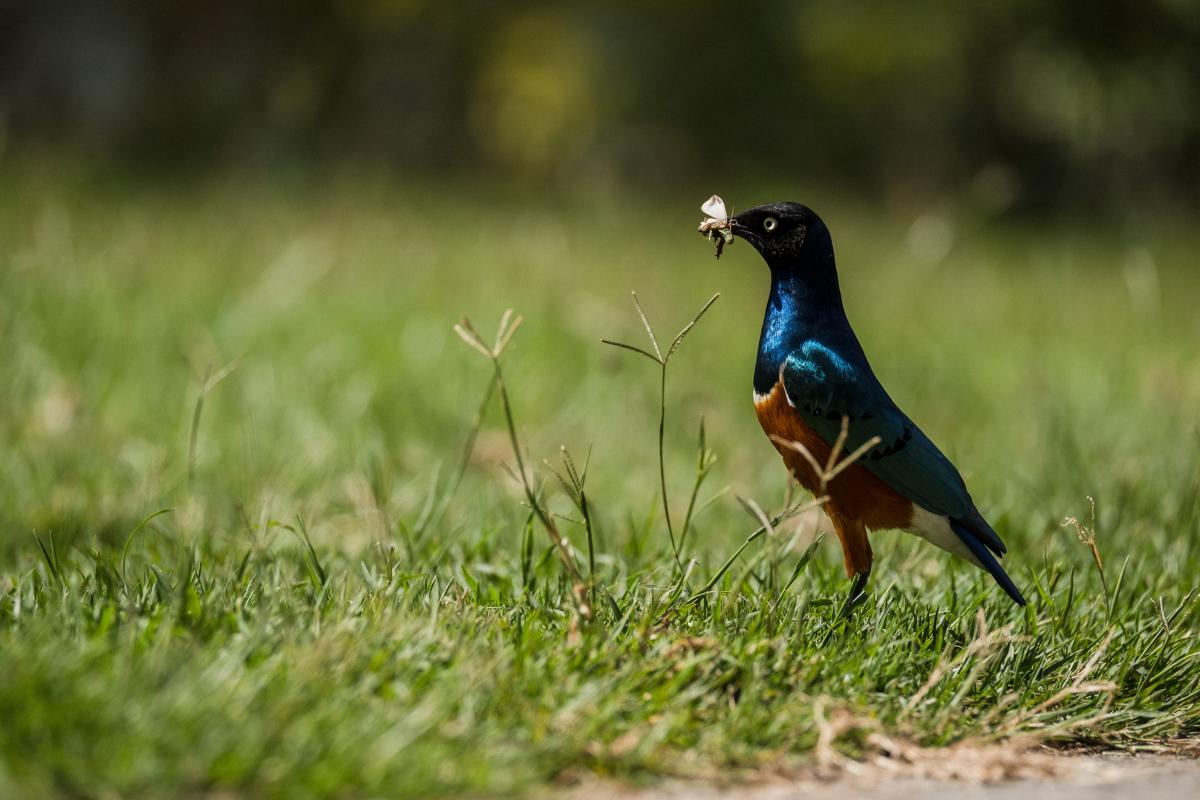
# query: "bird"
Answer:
x=812 y=377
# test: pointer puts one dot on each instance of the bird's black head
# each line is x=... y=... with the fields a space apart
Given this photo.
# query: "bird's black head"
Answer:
x=797 y=247
x=785 y=234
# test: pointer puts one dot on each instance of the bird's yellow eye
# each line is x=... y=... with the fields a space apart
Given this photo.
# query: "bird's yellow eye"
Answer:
x=770 y=224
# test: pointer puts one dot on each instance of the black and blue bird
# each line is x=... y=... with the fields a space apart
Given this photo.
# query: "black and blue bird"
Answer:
x=811 y=374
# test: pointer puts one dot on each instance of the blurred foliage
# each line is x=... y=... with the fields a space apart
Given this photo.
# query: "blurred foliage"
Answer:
x=1011 y=104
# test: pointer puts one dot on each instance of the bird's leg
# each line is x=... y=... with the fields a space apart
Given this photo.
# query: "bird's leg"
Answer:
x=857 y=551
x=858 y=593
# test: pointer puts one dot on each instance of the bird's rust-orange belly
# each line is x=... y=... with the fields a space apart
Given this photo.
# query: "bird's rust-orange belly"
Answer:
x=855 y=495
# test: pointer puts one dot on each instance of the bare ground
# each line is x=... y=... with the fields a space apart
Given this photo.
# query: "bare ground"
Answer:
x=958 y=773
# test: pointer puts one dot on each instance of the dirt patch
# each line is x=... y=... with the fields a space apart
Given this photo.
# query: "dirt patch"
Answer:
x=956 y=773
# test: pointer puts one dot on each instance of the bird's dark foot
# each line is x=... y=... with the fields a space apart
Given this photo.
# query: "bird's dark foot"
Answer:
x=858 y=593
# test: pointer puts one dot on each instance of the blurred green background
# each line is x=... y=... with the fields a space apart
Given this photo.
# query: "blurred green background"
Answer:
x=1005 y=105
x=316 y=191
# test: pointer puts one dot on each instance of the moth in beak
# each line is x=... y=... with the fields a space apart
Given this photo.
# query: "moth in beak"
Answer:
x=717 y=226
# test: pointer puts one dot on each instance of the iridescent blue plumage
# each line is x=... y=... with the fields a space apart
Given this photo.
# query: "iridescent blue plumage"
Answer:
x=808 y=346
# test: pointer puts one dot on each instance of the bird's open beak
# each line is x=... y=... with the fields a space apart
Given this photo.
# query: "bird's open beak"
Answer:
x=739 y=227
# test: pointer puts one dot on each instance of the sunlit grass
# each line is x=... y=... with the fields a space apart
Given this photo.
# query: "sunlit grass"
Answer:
x=327 y=609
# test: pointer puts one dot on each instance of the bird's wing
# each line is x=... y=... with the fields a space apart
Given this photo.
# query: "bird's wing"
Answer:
x=824 y=388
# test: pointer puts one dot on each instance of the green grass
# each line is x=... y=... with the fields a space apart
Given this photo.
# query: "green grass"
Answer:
x=316 y=615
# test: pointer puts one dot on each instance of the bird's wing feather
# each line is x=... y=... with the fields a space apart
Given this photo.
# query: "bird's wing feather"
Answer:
x=825 y=387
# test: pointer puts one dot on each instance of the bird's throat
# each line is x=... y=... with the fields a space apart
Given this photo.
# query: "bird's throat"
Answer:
x=799 y=308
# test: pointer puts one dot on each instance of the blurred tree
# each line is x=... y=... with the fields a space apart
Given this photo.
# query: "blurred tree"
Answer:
x=538 y=93
x=1014 y=103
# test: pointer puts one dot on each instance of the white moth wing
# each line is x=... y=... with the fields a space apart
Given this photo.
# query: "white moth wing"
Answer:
x=714 y=207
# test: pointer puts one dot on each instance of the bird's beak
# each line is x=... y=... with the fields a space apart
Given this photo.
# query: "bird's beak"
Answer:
x=740 y=227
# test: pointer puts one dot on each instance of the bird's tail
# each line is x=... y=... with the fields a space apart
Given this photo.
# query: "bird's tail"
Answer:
x=981 y=547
